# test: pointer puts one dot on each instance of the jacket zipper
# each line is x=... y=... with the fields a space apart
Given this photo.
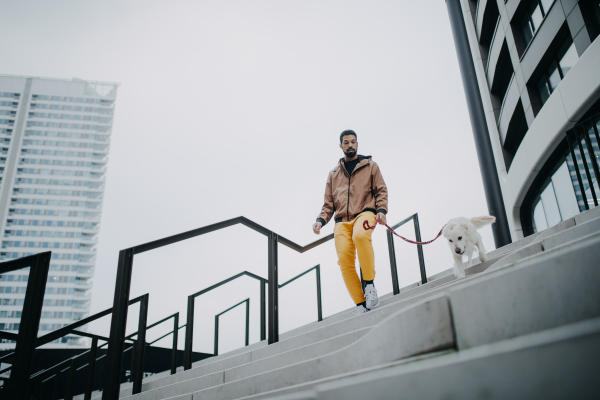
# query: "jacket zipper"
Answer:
x=349 y=178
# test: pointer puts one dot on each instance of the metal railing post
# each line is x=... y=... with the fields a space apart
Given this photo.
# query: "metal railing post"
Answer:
x=189 y=333
x=70 y=380
x=420 y=249
x=319 y=305
x=92 y=366
x=28 y=329
x=273 y=290
x=137 y=369
x=55 y=388
x=263 y=310
x=216 y=349
x=112 y=383
x=247 y=322
x=175 y=337
x=393 y=266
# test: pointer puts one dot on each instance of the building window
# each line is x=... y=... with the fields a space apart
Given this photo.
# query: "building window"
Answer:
x=559 y=67
x=565 y=191
x=535 y=13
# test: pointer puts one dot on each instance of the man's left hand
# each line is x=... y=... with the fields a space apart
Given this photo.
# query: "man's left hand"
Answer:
x=381 y=219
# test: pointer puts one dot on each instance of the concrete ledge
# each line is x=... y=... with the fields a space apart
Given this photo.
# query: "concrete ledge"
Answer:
x=551 y=289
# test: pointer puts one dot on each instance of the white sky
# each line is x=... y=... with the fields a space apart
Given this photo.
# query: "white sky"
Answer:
x=230 y=108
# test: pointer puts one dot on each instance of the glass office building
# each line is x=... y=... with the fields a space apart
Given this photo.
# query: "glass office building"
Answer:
x=537 y=65
x=54 y=143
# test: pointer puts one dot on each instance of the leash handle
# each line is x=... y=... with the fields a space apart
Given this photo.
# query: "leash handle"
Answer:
x=366 y=226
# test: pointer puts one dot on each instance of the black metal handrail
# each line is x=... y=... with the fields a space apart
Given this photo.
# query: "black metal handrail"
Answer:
x=317 y=269
x=93 y=349
x=247 y=301
x=26 y=338
x=189 y=327
x=111 y=382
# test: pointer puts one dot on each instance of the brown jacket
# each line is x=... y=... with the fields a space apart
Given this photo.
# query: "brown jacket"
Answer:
x=348 y=196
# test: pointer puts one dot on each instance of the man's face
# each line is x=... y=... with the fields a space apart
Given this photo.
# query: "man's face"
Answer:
x=349 y=145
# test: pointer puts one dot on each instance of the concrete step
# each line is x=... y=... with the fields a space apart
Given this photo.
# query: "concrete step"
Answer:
x=552 y=290
x=561 y=363
x=536 y=295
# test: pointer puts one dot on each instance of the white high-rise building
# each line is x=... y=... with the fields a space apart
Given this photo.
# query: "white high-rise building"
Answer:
x=54 y=142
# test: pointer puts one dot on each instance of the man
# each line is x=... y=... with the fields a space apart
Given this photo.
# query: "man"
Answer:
x=356 y=192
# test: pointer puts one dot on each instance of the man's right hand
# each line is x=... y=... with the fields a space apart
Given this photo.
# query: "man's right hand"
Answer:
x=317 y=227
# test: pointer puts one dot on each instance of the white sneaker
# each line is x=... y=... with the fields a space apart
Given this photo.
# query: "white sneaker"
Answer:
x=371 y=296
x=360 y=310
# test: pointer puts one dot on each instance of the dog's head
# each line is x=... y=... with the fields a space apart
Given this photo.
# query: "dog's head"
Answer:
x=456 y=234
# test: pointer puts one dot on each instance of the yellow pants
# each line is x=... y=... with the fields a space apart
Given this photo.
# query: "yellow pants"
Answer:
x=350 y=238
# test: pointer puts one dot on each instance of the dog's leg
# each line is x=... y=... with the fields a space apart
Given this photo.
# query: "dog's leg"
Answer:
x=479 y=244
x=458 y=268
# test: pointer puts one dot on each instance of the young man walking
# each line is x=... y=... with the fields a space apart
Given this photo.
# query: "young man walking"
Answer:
x=356 y=192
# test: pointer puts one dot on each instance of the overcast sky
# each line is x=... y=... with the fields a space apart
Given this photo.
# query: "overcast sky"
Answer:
x=230 y=108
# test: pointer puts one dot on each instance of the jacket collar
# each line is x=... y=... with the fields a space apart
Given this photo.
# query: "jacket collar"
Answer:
x=362 y=161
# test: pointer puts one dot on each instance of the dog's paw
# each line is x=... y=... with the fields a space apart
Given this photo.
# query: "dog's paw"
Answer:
x=482 y=257
x=459 y=275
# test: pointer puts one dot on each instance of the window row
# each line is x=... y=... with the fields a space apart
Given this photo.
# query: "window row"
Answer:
x=58 y=143
x=9 y=122
x=6 y=131
x=74 y=117
x=75 y=135
x=61 y=125
x=43 y=234
x=59 y=182
x=9 y=327
x=64 y=107
x=10 y=95
x=66 y=98
x=65 y=303
x=56 y=172
x=55 y=256
x=8 y=112
x=10 y=314
x=12 y=302
x=532 y=19
x=13 y=289
x=60 y=153
x=37 y=222
x=62 y=314
x=12 y=104
x=59 y=213
x=41 y=245
x=52 y=192
x=14 y=278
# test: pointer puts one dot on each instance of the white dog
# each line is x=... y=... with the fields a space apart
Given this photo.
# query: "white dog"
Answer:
x=463 y=237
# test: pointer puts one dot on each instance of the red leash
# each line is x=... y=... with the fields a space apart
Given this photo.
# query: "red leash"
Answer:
x=367 y=226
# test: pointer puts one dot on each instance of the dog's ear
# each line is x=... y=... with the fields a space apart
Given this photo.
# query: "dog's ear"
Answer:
x=465 y=226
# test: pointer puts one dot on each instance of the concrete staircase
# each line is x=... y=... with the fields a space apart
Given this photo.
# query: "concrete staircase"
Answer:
x=524 y=324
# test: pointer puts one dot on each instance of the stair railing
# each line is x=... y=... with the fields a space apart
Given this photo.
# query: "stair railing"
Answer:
x=317 y=269
x=247 y=337
x=392 y=252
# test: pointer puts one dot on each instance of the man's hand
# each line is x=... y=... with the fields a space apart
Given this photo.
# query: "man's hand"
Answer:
x=317 y=227
x=381 y=219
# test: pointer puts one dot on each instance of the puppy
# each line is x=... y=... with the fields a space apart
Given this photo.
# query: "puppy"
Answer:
x=462 y=238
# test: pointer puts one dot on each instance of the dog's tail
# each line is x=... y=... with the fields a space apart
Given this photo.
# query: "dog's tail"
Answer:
x=482 y=221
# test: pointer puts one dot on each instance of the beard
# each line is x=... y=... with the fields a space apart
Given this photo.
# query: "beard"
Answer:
x=350 y=152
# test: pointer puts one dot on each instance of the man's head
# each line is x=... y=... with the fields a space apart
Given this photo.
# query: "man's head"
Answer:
x=349 y=143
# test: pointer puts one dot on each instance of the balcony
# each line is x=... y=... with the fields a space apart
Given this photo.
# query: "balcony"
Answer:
x=509 y=103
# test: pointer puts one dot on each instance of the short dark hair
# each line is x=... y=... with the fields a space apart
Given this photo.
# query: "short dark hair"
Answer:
x=347 y=132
